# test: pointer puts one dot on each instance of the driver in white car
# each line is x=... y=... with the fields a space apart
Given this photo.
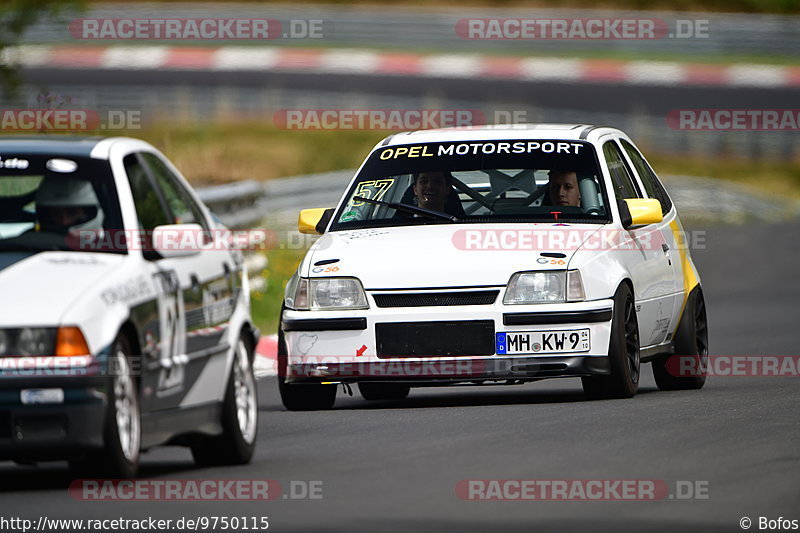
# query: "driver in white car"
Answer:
x=67 y=204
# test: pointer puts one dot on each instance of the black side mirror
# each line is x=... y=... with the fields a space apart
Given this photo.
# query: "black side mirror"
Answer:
x=324 y=220
x=624 y=214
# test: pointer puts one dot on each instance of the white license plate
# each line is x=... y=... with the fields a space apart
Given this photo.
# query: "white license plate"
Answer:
x=540 y=342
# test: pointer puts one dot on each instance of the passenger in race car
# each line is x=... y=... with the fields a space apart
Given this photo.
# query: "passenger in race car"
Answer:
x=563 y=188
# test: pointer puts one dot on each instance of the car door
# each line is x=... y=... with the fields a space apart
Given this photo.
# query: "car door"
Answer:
x=670 y=228
x=649 y=266
x=194 y=291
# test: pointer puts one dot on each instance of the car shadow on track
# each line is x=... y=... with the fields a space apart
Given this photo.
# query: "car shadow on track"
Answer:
x=474 y=396
x=57 y=475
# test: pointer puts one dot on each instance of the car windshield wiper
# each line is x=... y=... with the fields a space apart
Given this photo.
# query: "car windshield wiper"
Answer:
x=409 y=208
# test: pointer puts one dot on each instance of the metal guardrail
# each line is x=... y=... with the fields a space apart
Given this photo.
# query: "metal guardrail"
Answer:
x=285 y=197
x=240 y=205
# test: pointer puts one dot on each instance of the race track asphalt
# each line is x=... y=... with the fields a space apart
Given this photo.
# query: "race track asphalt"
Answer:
x=393 y=466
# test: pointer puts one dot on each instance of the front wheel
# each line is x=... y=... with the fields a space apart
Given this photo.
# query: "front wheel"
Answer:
x=691 y=340
x=623 y=352
x=239 y=415
x=119 y=457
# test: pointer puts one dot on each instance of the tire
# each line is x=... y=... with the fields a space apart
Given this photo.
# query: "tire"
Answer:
x=691 y=339
x=239 y=415
x=384 y=391
x=305 y=397
x=119 y=457
x=623 y=353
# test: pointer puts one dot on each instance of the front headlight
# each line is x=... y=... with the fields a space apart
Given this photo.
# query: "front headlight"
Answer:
x=36 y=341
x=327 y=293
x=544 y=287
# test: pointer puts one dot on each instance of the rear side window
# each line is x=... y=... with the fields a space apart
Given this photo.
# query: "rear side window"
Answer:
x=650 y=181
x=620 y=177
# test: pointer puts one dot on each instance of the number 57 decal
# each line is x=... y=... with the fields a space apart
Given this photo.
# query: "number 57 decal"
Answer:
x=373 y=190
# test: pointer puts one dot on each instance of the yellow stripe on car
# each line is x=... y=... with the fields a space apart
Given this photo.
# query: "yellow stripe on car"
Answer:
x=689 y=273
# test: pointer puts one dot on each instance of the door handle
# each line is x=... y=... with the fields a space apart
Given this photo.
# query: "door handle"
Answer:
x=665 y=247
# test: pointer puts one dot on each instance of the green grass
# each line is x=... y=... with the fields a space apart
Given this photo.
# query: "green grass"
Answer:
x=266 y=306
x=232 y=151
x=762 y=176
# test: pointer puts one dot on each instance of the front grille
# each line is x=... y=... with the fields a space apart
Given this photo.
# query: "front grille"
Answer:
x=435 y=339
x=430 y=299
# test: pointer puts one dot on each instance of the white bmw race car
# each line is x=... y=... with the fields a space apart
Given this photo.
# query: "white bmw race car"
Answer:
x=493 y=255
x=125 y=317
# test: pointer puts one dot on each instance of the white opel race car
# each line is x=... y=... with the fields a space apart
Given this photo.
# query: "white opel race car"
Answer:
x=493 y=255
x=125 y=317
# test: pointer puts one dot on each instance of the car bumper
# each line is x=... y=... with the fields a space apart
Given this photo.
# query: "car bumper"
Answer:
x=447 y=370
x=51 y=431
x=343 y=347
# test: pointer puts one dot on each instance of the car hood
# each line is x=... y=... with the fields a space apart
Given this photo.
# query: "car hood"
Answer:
x=447 y=255
x=38 y=288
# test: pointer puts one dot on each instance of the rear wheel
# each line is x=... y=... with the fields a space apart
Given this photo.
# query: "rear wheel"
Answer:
x=384 y=391
x=623 y=352
x=691 y=340
x=239 y=415
x=302 y=397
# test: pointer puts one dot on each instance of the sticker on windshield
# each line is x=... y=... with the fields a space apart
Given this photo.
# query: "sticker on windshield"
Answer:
x=349 y=216
x=14 y=162
x=485 y=148
x=63 y=166
x=372 y=190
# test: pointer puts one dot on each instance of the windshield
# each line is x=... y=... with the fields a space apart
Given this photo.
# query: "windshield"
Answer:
x=483 y=181
x=48 y=202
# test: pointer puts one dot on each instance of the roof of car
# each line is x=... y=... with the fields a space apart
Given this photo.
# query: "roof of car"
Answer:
x=576 y=132
x=96 y=147
x=49 y=144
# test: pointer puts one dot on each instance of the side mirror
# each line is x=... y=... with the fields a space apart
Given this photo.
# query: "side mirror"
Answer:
x=642 y=211
x=314 y=221
x=177 y=240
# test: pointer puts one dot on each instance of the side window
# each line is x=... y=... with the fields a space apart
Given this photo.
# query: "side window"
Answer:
x=651 y=183
x=620 y=177
x=184 y=210
x=149 y=209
